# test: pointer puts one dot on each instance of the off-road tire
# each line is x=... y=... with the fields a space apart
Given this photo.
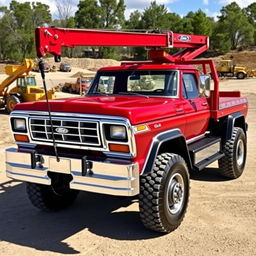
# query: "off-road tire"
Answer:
x=157 y=188
x=11 y=102
x=233 y=163
x=45 y=198
x=241 y=75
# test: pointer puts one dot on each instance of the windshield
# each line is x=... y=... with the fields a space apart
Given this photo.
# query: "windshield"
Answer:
x=31 y=81
x=137 y=82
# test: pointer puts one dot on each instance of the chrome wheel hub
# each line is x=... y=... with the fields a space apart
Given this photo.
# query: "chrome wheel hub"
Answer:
x=240 y=153
x=175 y=192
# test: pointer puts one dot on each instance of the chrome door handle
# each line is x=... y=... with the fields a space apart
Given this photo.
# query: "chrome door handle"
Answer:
x=179 y=109
x=204 y=104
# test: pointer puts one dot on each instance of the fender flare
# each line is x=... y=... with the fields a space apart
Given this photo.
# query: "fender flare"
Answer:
x=231 y=124
x=157 y=141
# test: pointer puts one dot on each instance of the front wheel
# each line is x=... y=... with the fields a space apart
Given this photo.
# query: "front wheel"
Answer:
x=233 y=163
x=164 y=193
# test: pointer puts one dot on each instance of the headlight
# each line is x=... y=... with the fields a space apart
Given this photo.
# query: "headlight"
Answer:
x=19 y=125
x=118 y=132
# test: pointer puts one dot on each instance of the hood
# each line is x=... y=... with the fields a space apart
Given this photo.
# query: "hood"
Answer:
x=136 y=108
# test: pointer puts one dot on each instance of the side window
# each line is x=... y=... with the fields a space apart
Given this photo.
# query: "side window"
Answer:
x=21 y=82
x=190 y=90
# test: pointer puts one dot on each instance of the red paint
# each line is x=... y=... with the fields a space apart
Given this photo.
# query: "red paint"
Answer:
x=161 y=114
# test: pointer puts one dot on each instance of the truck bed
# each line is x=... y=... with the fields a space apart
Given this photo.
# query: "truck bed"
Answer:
x=231 y=102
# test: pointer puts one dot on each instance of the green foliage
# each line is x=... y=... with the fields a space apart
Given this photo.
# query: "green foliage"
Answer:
x=234 y=26
x=104 y=14
x=199 y=23
x=155 y=17
x=88 y=15
x=250 y=13
x=17 y=25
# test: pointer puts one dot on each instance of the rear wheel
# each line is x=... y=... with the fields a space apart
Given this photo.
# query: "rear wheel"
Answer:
x=54 y=197
x=164 y=193
x=11 y=102
x=241 y=75
x=233 y=163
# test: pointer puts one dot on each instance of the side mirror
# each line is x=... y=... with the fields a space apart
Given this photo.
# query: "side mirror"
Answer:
x=205 y=85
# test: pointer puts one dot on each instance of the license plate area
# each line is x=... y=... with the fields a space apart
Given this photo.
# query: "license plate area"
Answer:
x=63 y=166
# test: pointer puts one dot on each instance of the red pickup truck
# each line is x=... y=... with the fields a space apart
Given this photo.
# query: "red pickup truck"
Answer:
x=139 y=133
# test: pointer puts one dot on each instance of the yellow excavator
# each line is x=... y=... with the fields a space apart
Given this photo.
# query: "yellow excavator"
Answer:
x=26 y=88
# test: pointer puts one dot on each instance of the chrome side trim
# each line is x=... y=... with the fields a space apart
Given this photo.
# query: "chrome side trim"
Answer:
x=194 y=139
x=106 y=177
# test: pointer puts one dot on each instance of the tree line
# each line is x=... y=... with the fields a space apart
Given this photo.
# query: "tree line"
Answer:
x=234 y=28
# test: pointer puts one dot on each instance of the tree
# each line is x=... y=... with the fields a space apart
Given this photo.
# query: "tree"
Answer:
x=235 y=26
x=250 y=12
x=65 y=11
x=17 y=28
x=155 y=17
x=112 y=13
x=88 y=15
x=104 y=14
x=134 y=21
x=200 y=23
x=174 y=22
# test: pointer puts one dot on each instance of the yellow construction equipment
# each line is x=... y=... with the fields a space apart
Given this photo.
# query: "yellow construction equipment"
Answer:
x=227 y=68
x=26 y=88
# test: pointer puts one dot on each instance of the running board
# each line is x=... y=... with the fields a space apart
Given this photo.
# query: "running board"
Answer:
x=201 y=165
x=205 y=152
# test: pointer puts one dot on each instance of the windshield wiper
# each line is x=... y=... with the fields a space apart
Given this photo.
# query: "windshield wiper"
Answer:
x=133 y=93
x=98 y=93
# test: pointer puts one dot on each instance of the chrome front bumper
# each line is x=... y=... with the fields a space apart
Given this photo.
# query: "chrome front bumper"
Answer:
x=106 y=177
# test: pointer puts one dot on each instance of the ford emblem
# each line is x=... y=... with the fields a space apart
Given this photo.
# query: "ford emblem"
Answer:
x=184 y=38
x=61 y=130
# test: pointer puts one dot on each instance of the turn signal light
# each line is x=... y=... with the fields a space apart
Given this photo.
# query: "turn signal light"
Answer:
x=119 y=148
x=22 y=138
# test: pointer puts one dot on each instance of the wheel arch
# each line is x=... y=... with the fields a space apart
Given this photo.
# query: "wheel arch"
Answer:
x=172 y=141
x=235 y=120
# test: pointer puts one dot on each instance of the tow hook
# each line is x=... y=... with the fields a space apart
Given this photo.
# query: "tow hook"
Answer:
x=86 y=166
x=36 y=159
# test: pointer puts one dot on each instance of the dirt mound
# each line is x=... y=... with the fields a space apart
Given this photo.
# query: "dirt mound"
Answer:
x=85 y=63
x=241 y=58
x=83 y=74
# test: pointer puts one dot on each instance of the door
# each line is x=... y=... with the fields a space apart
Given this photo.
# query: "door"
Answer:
x=196 y=109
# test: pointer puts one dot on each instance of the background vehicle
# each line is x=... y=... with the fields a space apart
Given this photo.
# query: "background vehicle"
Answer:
x=46 y=67
x=65 y=67
x=227 y=68
x=26 y=89
x=81 y=85
x=142 y=134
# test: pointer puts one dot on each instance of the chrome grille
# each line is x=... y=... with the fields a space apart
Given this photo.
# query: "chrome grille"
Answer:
x=66 y=130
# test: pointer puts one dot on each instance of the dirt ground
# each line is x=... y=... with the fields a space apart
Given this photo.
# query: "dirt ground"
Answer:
x=220 y=220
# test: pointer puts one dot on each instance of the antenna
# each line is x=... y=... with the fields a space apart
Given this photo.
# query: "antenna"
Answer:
x=41 y=68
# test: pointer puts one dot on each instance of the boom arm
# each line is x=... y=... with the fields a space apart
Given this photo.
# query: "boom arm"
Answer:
x=50 y=40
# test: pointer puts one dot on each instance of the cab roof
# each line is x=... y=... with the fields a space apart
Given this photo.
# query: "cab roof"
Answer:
x=144 y=66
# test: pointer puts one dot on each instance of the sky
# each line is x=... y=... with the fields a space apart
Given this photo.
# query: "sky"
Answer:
x=181 y=7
